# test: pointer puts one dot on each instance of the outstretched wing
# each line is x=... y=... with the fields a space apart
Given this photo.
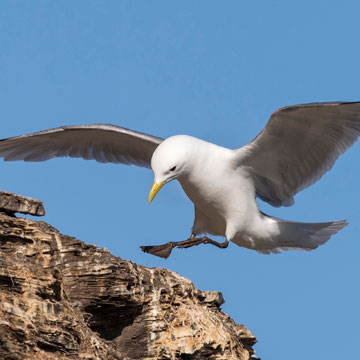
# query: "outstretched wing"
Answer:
x=298 y=145
x=101 y=142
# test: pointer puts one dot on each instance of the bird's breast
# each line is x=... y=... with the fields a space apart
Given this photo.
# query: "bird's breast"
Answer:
x=224 y=196
x=215 y=195
x=205 y=196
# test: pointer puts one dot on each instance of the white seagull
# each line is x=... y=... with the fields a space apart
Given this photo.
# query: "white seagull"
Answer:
x=299 y=144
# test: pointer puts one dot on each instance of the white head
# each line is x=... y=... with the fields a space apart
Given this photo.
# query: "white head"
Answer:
x=171 y=161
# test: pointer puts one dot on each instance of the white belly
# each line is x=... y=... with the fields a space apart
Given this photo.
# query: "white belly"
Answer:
x=224 y=204
x=209 y=214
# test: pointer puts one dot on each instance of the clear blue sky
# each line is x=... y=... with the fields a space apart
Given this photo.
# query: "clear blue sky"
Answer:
x=215 y=70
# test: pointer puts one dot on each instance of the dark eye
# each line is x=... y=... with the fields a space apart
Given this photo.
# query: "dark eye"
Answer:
x=173 y=168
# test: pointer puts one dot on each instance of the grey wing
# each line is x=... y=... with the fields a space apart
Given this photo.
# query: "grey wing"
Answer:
x=101 y=142
x=298 y=145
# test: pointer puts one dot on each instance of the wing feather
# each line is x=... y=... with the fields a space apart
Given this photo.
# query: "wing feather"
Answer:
x=298 y=145
x=100 y=142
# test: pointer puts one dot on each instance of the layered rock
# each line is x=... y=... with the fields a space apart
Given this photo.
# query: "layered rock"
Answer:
x=63 y=299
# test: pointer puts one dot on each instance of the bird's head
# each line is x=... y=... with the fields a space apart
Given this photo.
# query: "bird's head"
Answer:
x=170 y=161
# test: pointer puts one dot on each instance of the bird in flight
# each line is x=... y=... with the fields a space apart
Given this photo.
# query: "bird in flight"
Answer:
x=298 y=145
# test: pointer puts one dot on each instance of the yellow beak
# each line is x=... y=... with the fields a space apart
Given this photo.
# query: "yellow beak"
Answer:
x=154 y=190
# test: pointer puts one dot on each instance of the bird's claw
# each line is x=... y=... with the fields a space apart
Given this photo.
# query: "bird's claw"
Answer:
x=164 y=250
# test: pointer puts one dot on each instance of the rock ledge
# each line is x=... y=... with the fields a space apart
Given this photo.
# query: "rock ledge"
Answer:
x=63 y=299
x=12 y=203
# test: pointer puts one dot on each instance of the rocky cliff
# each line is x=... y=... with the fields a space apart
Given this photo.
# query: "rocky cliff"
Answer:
x=63 y=299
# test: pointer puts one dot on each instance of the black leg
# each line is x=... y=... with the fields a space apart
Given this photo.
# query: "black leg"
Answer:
x=164 y=250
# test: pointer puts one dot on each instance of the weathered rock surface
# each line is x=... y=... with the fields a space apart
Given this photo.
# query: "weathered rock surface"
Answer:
x=63 y=299
x=12 y=203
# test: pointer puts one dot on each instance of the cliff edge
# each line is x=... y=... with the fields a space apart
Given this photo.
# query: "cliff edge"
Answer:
x=63 y=299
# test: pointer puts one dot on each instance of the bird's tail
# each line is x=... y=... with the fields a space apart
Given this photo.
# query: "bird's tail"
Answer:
x=293 y=235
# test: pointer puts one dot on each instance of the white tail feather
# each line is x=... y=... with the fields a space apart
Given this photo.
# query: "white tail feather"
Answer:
x=301 y=236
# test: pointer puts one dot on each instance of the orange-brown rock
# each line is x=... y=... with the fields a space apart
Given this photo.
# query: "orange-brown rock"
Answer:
x=63 y=299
